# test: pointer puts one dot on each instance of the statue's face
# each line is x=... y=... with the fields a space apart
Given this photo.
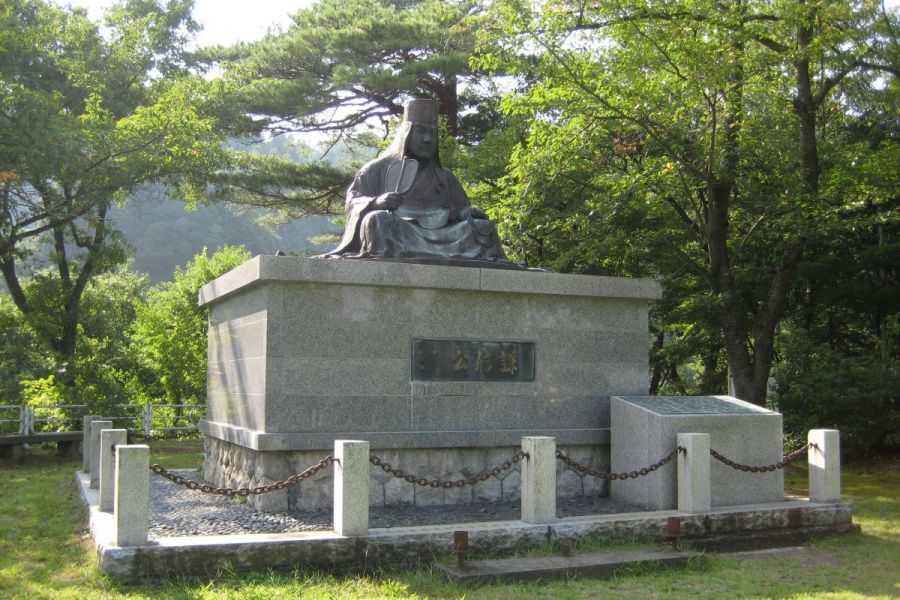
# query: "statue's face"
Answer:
x=422 y=141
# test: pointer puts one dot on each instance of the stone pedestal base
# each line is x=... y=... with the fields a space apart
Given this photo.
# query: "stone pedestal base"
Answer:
x=232 y=465
x=442 y=369
x=645 y=429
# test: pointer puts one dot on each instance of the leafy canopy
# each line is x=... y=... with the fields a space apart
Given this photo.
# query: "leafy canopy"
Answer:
x=88 y=115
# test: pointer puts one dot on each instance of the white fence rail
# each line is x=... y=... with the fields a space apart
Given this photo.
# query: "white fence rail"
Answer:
x=142 y=418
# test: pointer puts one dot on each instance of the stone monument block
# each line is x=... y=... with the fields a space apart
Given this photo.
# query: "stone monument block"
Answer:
x=645 y=429
x=448 y=366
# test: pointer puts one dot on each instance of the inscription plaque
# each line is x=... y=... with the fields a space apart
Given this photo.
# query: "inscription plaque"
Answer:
x=693 y=405
x=471 y=360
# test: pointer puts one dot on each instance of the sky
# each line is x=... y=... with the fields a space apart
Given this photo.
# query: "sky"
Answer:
x=223 y=21
x=229 y=21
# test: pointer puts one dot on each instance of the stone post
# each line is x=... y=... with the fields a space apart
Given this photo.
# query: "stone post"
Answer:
x=131 y=506
x=824 y=465
x=86 y=442
x=693 y=472
x=96 y=428
x=539 y=480
x=351 y=487
x=108 y=439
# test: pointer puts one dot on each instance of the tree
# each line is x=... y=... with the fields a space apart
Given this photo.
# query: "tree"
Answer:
x=344 y=64
x=169 y=334
x=840 y=343
x=340 y=70
x=87 y=116
x=21 y=355
x=667 y=139
x=105 y=371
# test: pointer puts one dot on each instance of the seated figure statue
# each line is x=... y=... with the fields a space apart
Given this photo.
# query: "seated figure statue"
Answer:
x=405 y=205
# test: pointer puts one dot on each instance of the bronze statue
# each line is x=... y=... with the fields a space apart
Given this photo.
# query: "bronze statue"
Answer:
x=405 y=204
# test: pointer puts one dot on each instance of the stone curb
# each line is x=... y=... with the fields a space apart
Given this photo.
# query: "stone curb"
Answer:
x=211 y=555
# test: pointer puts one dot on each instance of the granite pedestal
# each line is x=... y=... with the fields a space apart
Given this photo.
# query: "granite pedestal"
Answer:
x=645 y=429
x=306 y=351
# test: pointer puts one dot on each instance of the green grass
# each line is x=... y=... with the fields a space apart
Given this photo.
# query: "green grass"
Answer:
x=45 y=553
x=178 y=454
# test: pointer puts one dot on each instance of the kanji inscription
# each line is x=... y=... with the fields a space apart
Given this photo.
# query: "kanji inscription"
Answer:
x=472 y=360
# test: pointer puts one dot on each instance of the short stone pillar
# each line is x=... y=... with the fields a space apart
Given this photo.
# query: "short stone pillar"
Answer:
x=131 y=506
x=539 y=480
x=86 y=442
x=351 y=487
x=109 y=438
x=824 y=465
x=96 y=427
x=693 y=472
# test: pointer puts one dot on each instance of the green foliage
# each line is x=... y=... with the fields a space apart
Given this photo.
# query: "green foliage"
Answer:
x=21 y=354
x=822 y=386
x=44 y=395
x=744 y=153
x=687 y=356
x=703 y=143
x=87 y=117
x=135 y=345
x=343 y=69
x=169 y=333
x=295 y=189
x=361 y=57
x=103 y=371
x=42 y=392
x=841 y=344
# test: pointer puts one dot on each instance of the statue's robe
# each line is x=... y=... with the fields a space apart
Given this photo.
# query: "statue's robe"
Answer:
x=427 y=223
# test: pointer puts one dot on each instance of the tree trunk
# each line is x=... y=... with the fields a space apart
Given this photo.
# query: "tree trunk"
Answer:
x=446 y=93
x=65 y=344
x=805 y=106
x=710 y=382
x=751 y=353
x=656 y=362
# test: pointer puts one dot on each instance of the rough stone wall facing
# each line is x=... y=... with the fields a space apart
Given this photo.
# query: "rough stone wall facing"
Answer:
x=232 y=465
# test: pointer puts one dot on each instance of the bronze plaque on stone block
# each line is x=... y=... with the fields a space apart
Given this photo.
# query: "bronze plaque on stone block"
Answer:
x=472 y=360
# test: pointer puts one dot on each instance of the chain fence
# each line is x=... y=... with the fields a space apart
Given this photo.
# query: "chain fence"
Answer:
x=584 y=469
x=225 y=491
x=787 y=458
x=327 y=461
x=437 y=483
x=483 y=476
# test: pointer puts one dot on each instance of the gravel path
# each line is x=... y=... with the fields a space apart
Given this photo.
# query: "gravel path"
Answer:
x=176 y=511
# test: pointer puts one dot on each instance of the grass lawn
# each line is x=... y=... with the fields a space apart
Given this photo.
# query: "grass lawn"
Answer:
x=45 y=553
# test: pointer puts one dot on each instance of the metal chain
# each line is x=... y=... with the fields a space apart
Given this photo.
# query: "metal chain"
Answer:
x=575 y=466
x=210 y=489
x=761 y=469
x=483 y=476
x=437 y=483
